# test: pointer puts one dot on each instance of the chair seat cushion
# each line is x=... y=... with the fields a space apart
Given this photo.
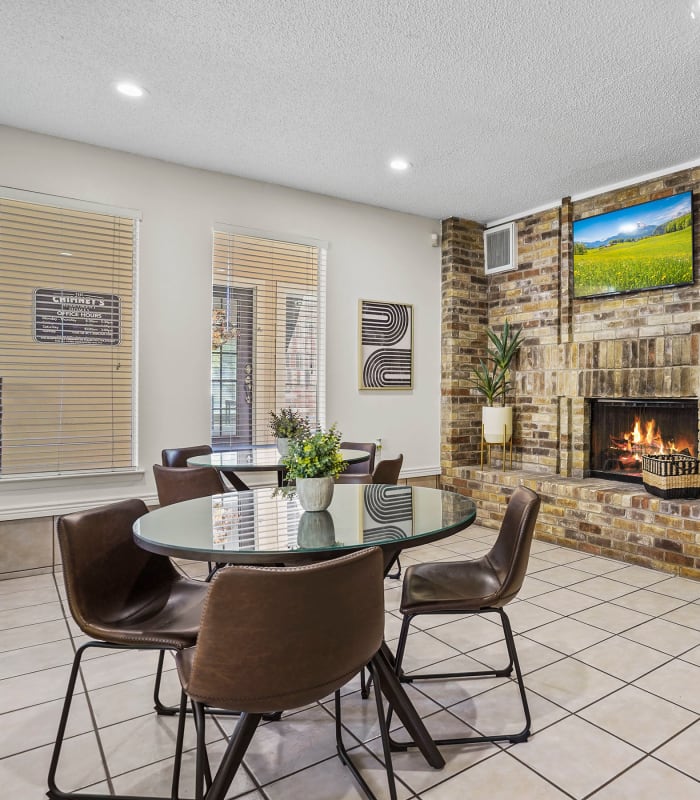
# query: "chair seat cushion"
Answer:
x=454 y=586
x=172 y=622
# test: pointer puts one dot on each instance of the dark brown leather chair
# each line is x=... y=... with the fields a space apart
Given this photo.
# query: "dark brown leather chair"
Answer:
x=356 y=478
x=362 y=467
x=388 y=470
x=121 y=596
x=175 y=484
x=275 y=638
x=177 y=456
x=482 y=585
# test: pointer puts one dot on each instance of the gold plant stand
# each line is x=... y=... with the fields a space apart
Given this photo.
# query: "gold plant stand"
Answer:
x=485 y=444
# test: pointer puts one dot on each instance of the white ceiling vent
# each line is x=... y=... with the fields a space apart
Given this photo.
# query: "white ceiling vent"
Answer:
x=501 y=248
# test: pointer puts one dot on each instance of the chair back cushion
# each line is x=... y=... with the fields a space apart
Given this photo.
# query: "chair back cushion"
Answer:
x=175 y=484
x=388 y=470
x=177 y=456
x=275 y=638
x=511 y=550
x=362 y=467
x=108 y=577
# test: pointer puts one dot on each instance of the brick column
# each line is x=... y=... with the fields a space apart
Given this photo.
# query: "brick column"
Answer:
x=464 y=323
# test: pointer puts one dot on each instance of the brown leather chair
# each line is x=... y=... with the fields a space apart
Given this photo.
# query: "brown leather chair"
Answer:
x=356 y=478
x=362 y=467
x=175 y=484
x=267 y=643
x=121 y=596
x=177 y=456
x=479 y=586
x=387 y=471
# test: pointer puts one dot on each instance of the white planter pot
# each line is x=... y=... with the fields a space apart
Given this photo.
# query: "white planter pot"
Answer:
x=496 y=420
x=283 y=446
x=316 y=529
x=315 y=494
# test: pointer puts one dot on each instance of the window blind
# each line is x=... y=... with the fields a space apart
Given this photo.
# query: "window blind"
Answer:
x=66 y=339
x=267 y=333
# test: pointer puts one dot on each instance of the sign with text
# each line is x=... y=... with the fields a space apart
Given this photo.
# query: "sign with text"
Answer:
x=64 y=316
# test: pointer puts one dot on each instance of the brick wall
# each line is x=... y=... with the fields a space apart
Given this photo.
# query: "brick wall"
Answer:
x=638 y=345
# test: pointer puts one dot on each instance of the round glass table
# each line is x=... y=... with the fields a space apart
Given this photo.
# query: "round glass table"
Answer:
x=265 y=458
x=267 y=526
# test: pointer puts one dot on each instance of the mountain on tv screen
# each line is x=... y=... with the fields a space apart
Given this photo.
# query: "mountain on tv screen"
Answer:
x=640 y=247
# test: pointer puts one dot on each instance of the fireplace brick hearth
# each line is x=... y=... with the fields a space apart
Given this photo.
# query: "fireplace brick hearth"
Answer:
x=642 y=345
x=606 y=518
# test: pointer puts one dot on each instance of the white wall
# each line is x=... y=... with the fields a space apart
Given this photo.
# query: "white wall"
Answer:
x=373 y=254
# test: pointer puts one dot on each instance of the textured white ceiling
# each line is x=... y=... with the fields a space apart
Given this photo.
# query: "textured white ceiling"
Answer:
x=501 y=106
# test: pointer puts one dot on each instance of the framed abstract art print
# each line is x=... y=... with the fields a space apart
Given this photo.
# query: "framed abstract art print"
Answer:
x=386 y=345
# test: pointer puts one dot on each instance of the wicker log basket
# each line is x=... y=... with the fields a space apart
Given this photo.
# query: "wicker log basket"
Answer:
x=672 y=476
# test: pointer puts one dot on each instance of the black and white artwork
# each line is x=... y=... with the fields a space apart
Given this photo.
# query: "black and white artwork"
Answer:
x=386 y=345
x=388 y=512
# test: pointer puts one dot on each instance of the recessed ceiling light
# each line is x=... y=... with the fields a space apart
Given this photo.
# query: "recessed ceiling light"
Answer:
x=129 y=89
x=399 y=164
x=65 y=253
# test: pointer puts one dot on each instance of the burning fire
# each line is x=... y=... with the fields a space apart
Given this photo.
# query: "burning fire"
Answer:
x=646 y=438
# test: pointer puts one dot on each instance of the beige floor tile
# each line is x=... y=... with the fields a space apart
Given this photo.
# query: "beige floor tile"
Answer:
x=676 y=681
x=562 y=555
x=649 y=602
x=571 y=684
x=33 y=688
x=28 y=635
x=28 y=597
x=612 y=618
x=524 y=616
x=665 y=636
x=688 y=615
x=650 y=780
x=469 y=632
x=331 y=779
x=24 y=776
x=567 y=635
x=600 y=566
x=155 y=780
x=123 y=701
x=534 y=587
x=423 y=649
x=498 y=778
x=639 y=718
x=682 y=751
x=604 y=588
x=682 y=588
x=500 y=711
x=576 y=756
x=640 y=576
x=30 y=615
x=36 y=726
x=692 y=656
x=565 y=601
x=563 y=575
x=622 y=658
x=36 y=657
x=531 y=655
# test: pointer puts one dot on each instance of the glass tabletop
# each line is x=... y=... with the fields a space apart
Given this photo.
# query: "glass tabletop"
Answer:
x=269 y=526
x=259 y=458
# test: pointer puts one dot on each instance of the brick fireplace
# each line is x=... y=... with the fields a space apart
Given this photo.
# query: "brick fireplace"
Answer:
x=644 y=346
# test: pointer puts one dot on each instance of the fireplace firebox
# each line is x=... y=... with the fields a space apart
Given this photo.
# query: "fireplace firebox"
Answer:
x=624 y=430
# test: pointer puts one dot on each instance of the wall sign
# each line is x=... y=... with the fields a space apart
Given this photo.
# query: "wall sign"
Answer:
x=386 y=345
x=65 y=316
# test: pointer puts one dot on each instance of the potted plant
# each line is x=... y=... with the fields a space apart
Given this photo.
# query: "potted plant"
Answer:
x=313 y=462
x=288 y=424
x=492 y=380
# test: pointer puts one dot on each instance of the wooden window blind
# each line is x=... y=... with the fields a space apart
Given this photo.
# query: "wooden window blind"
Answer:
x=267 y=342
x=66 y=339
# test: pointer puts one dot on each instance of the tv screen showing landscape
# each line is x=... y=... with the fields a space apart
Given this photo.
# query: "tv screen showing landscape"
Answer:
x=636 y=248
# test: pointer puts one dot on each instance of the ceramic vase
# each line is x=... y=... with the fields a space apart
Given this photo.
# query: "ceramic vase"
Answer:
x=497 y=420
x=315 y=494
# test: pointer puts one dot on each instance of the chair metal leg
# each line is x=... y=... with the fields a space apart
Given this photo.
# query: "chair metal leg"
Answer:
x=54 y=793
x=237 y=746
x=343 y=753
x=513 y=662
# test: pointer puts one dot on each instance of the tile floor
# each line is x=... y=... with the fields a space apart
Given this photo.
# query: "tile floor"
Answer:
x=611 y=655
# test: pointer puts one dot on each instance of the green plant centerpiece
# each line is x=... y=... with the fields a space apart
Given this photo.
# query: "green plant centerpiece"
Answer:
x=288 y=424
x=492 y=379
x=313 y=462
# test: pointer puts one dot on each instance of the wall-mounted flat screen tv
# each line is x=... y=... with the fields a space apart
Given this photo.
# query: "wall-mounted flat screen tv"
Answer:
x=636 y=248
